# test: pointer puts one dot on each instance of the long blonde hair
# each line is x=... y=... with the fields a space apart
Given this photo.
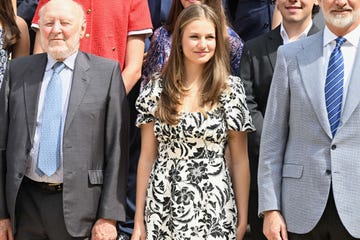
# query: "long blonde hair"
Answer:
x=215 y=71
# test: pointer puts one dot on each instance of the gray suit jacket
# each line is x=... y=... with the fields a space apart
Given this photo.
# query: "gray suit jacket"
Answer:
x=95 y=151
x=256 y=71
x=299 y=159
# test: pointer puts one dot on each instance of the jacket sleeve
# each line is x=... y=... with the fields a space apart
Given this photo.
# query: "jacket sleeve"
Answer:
x=113 y=198
x=4 y=94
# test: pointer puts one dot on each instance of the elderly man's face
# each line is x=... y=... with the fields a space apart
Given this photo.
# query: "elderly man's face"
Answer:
x=341 y=16
x=62 y=25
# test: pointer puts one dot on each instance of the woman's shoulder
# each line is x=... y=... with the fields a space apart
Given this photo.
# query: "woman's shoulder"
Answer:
x=233 y=101
x=234 y=83
x=234 y=90
x=154 y=86
x=147 y=102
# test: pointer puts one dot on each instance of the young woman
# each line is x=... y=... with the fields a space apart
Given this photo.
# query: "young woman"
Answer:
x=188 y=113
x=14 y=36
x=160 y=45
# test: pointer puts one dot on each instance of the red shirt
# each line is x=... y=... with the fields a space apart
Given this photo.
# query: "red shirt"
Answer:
x=109 y=22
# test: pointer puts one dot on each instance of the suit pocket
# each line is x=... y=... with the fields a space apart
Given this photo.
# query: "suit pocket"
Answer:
x=292 y=170
x=96 y=176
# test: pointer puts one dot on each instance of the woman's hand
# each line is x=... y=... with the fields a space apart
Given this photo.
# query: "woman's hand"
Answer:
x=139 y=232
x=240 y=231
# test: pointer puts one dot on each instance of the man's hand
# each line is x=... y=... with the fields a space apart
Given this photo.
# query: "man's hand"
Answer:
x=5 y=229
x=274 y=226
x=104 y=229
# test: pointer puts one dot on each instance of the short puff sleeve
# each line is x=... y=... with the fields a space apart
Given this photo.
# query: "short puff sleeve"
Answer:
x=147 y=102
x=233 y=100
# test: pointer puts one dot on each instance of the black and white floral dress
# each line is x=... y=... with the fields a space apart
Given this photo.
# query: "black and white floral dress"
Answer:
x=190 y=194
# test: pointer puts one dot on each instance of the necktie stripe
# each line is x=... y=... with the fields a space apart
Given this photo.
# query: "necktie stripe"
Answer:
x=334 y=86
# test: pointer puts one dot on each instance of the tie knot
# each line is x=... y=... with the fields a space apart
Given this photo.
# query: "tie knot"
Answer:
x=58 y=67
x=340 y=41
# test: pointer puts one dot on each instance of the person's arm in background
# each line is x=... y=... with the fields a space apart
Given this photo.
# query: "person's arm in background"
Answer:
x=133 y=60
x=22 y=45
x=37 y=45
x=246 y=75
x=14 y=5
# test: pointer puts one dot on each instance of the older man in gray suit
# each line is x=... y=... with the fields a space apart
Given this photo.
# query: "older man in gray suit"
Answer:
x=309 y=169
x=63 y=137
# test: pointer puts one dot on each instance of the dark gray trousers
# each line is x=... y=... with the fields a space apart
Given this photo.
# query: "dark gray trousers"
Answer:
x=39 y=215
x=329 y=227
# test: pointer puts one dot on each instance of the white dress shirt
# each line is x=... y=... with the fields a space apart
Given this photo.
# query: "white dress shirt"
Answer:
x=285 y=36
x=66 y=78
x=348 y=50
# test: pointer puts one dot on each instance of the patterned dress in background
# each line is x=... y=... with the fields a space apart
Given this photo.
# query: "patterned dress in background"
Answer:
x=4 y=57
x=190 y=194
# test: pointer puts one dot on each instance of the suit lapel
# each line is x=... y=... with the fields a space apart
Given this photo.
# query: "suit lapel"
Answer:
x=32 y=86
x=80 y=83
x=352 y=97
x=312 y=74
x=272 y=45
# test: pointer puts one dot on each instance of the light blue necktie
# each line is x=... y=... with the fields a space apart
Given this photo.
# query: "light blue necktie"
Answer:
x=334 y=86
x=50 y=138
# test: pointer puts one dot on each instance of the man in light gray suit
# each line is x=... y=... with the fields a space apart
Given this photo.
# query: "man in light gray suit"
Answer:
x=66 y=180
x=309 y=169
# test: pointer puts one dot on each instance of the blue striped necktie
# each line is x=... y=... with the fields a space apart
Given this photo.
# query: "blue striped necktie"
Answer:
x=50 y=138
x=334 y=85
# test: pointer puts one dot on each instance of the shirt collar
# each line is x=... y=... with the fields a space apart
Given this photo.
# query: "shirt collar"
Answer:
x=304 y=34
x=69 y=62
x=351 y=38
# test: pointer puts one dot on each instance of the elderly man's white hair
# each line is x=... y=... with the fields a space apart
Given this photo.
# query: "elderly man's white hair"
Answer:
x=77 y=6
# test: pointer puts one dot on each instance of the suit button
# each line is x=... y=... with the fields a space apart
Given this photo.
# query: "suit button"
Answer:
x=328 y=172
x=333 y=147
x=20 y=175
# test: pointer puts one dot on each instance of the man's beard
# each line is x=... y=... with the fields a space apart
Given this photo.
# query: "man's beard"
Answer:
x=341 y=21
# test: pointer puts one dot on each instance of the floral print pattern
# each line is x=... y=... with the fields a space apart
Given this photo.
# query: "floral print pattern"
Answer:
x=4 y=58
x=190 y=195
